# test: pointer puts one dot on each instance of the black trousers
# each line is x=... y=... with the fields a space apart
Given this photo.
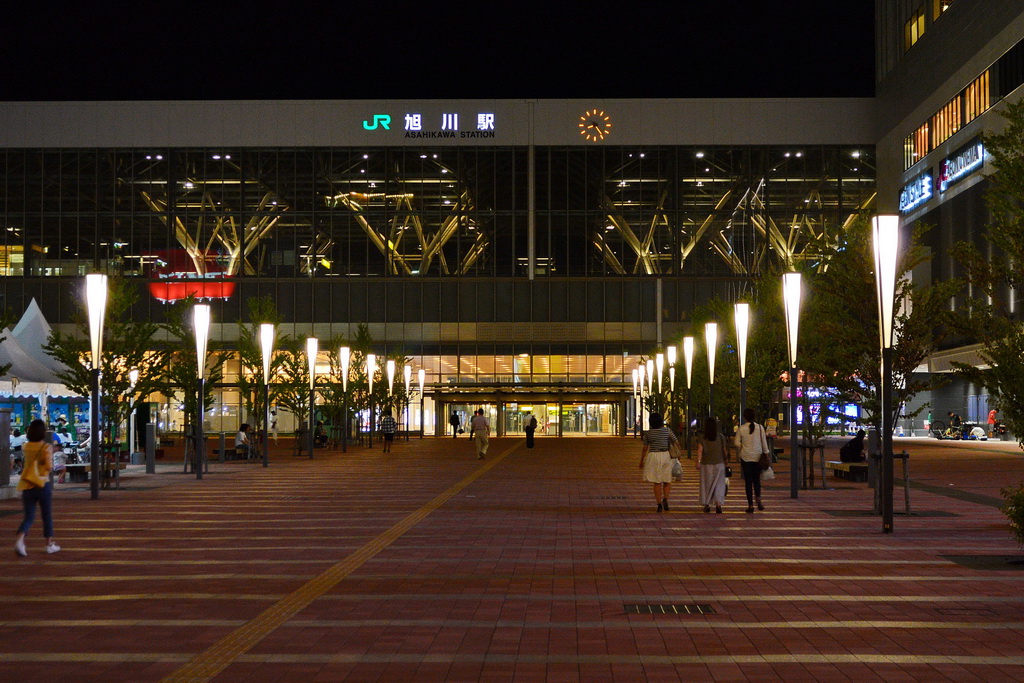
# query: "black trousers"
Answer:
x=751 y=480
x=529 y=438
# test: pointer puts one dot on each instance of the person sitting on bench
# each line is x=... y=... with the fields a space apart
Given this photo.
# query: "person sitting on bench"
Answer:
x=320 y=433
x=853 y=450
x=242 y=441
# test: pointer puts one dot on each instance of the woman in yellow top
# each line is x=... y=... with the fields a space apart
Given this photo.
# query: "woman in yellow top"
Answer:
x=35 y=487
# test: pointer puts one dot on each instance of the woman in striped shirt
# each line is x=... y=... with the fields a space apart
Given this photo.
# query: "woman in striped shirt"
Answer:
x=656 y=460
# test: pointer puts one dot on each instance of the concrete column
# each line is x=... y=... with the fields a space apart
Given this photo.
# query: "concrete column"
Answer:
x=531 y=199
x=150 y=448
x=5 y=446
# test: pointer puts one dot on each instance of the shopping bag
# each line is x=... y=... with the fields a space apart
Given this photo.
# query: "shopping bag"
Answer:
x=768 y=474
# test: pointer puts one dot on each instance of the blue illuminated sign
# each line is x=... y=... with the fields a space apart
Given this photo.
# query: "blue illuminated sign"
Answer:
x=917 y=192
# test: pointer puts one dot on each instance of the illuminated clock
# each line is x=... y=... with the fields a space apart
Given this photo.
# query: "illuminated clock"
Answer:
x=595 y=125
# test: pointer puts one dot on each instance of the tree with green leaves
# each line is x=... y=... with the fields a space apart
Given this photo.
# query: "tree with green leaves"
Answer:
x=179 y=373
x=259 y=310
x=127 y=345
x=838 y=350
x=293 y=379
x=839 y=339
x=993 y=318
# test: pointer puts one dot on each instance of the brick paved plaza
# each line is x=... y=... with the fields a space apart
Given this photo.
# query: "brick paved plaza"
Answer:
x=427 y=564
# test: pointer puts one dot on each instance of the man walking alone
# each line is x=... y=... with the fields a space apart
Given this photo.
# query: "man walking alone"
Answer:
x=481 y=433
x=388 y=427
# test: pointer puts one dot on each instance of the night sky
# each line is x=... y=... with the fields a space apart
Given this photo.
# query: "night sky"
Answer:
x=735 y=48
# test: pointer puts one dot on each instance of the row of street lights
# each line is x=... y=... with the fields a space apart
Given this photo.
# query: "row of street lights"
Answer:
x=96 y=299
x=885 y=234
x=886 y=243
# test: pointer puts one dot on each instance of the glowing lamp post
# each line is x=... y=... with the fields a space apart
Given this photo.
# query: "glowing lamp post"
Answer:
x=688 y=360
x=96 y=299
x=791 y=294
x=671 y=358
x=711 y=339
x=267 y=335
x=407 y=376
x=659 y=363
x=636 y=399
x=422 y=377
x=742 y=328
x=201 y=324
x=650 y=376
x=641 y=377
x=344 y=360
x=133 y=379
x=886 y=233
x=312 y=348
x=390 y=366
x=371 y=369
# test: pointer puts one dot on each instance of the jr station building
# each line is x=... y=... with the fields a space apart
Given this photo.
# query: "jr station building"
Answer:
x=523 y=253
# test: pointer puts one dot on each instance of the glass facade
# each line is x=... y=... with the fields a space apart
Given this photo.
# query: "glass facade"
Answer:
x=430 y=247
x=427 y=213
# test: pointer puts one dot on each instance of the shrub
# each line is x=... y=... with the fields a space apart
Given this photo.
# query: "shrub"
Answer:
x=1014 y=510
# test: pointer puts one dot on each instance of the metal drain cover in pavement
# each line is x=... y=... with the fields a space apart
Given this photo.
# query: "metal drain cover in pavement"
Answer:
x=669 y=609
x=988 y=562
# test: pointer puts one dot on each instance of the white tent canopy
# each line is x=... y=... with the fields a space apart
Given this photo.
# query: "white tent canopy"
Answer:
x=32 y=372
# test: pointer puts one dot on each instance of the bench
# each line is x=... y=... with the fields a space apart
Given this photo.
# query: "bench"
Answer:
x=229 y=454
x=79 y=472
x=854 y=471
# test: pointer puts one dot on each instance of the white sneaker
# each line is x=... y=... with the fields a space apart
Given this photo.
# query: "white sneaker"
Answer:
x=19 y=548
x=53 y=548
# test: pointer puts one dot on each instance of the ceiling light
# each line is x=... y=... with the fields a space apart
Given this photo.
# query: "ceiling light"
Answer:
x=700 y=155
x=855 y=154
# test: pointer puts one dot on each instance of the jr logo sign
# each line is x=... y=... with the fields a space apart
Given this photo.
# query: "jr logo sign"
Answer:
x=382 y=120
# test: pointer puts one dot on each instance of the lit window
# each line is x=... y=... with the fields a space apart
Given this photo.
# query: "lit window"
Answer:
x=914 y=28
x=976 y=97
x=940 y=6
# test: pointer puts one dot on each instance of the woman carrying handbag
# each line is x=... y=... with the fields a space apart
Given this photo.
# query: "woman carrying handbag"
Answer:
x=659 y=450
x=712 y=455
x=36 y=488
x=751 y=443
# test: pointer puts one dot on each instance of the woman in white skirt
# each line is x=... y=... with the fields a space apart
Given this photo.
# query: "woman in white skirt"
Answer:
x=656 y=459
x=712 y=454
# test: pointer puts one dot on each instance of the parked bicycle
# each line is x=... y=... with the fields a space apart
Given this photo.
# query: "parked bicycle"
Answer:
x=940 y=431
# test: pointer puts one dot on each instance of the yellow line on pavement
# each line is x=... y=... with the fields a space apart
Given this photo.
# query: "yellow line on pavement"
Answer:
x=215 y=659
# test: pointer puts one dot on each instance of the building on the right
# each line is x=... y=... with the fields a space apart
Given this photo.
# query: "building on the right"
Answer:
x=944 y=71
